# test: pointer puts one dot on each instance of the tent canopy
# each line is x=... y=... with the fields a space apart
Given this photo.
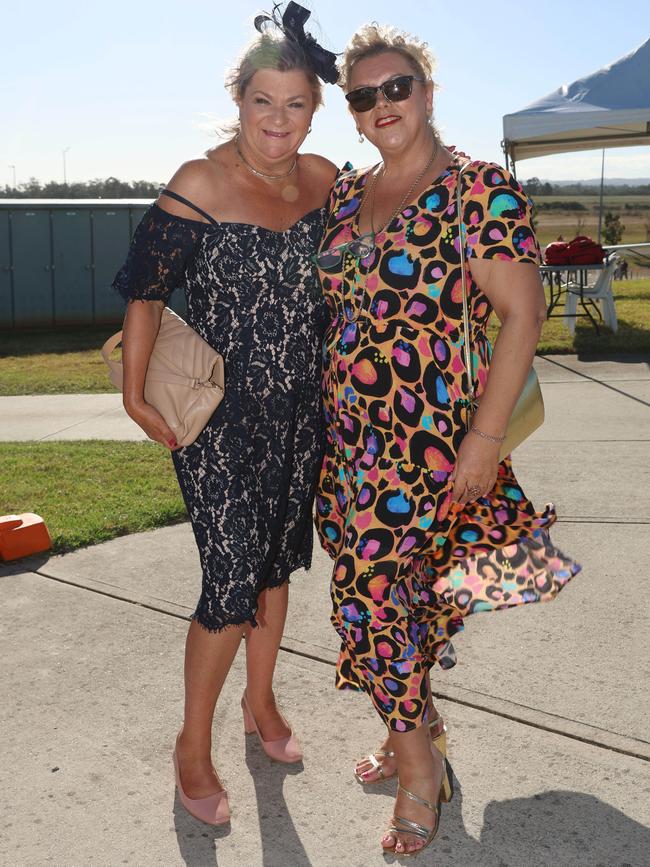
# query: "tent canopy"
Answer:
x=607 y=109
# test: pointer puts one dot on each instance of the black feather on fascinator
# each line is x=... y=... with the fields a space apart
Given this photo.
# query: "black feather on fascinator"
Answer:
x=292 y=24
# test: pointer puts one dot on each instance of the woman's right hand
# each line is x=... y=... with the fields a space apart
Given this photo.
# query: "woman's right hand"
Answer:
x=152 y=423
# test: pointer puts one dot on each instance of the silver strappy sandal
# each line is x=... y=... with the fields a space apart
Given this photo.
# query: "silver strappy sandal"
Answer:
x=439 y=742
x=406 y=826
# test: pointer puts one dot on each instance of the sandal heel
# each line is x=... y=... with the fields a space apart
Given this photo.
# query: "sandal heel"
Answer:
x=249 y=723
x=440 y=742
x=447 y=789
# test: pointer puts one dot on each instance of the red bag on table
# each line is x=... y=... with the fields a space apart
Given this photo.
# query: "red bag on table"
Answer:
x=581 y=251
x=585 y=251
x=557 y=253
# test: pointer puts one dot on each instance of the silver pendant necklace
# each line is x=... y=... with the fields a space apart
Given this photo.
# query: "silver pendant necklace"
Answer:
x=259 y=174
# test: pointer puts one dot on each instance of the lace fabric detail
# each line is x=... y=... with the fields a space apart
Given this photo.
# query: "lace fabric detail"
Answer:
x=248 y=480
x=161 y=248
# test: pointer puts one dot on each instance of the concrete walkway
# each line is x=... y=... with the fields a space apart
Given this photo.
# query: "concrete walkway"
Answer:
x=547 y=707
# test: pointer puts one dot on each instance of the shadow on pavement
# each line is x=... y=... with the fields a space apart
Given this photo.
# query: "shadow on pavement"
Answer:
x=564 y=828
x=197 y=842
x=559 y=828
x=25 y=564
x=281 y=844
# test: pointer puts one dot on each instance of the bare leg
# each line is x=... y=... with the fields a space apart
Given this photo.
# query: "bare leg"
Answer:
x=262 y=645
x=420 y=769
x=208 y=658
x=388 y=763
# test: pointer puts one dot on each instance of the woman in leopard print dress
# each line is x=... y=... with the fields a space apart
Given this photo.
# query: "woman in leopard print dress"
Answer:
x=424 y=523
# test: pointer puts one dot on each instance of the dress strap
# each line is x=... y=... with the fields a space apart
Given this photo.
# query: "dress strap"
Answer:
x=184 y=201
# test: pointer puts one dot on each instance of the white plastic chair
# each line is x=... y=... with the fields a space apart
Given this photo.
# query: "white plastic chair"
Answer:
x=600 y=291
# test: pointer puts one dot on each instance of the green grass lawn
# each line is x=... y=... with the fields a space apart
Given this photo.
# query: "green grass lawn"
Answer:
x=89 y=492
x=67 y=361
x=633 y=335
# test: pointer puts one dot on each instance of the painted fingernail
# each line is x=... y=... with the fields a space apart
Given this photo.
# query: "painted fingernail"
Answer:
x=172 y=443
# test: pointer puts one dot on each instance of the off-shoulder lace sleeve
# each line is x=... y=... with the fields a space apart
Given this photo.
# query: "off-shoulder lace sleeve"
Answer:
x=161 y=247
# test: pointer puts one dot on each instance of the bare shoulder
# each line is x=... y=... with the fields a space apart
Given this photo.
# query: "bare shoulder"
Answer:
x=196 y=180
x=320 y=170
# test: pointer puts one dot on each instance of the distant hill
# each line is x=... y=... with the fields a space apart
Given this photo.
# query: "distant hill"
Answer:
x=595 y=182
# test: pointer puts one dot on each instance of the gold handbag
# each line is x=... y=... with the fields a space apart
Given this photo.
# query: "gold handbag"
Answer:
x=528 y=413
x=184 y=380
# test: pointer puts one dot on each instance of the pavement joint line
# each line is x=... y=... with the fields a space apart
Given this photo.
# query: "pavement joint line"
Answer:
x=577 y=382
x=178 y=612
x=597 y=381
x=585 y=442
x=596 y=520
x=76 y=424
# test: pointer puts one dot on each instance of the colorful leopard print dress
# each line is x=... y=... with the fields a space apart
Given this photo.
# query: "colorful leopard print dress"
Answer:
x=409 y=563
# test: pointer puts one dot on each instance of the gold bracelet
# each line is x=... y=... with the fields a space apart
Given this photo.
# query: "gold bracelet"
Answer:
x=485 y=436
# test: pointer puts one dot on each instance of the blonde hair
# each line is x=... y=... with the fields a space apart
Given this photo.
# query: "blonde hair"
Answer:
x=268 y=51
x=372 y=39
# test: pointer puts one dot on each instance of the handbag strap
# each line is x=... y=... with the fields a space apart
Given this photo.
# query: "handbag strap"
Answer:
x=467 y=347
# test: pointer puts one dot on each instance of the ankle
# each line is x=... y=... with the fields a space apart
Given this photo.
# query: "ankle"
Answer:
x=260 y=699
x=194 y=744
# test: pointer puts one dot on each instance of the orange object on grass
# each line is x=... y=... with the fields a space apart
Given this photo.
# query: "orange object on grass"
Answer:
x=22 y=535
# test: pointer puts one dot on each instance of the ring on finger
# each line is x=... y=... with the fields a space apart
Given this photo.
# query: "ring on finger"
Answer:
x=474 y=490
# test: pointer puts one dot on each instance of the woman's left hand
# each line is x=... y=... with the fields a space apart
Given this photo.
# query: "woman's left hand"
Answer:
x=475 y=473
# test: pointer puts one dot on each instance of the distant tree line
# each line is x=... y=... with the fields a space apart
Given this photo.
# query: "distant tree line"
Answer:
x=560 y=206
x=535 y=187
x=100 y=188
x=112 y=188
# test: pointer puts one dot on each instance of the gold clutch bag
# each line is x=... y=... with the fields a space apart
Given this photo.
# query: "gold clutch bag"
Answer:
x=185 y=379
x=528 y=413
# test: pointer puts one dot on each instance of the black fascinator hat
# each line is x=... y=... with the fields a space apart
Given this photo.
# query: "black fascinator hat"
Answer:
x=292 y=25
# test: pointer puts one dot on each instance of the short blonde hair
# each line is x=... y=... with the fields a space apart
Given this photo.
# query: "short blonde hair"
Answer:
x=372 y=39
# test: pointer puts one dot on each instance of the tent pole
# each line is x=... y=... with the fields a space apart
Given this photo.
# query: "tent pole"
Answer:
x=600 y=206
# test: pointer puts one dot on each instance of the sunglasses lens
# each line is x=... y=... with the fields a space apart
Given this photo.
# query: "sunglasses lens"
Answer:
x=398 y=89
x=327 y=259
x=361 y=249
x=362 y=99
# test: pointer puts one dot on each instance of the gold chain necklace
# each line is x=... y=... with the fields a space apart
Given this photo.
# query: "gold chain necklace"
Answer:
x=407 y=195
x=262 y=174
x=371 y=195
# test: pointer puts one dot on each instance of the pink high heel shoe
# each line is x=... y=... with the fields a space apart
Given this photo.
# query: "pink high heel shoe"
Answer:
x=281 y=750
x=214 y=809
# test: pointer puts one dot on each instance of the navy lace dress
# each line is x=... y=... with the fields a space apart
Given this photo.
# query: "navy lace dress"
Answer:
x=249 y=479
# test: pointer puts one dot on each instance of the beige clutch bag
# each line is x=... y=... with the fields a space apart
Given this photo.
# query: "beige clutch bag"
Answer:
x=185 y=378
x=528 y=413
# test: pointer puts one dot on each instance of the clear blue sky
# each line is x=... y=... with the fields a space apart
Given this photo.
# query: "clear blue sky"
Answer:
x=133 y=87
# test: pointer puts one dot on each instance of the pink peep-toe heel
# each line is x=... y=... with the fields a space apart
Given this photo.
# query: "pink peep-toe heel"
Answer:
x=282 y=750
x=214 y=809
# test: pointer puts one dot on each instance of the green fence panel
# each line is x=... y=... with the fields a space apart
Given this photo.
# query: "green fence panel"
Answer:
x=6 y=293
x=111 y=238
x=73 y=281
x=33 y=289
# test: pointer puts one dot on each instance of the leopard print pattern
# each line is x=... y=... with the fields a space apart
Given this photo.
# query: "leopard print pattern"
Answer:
x=408 y=561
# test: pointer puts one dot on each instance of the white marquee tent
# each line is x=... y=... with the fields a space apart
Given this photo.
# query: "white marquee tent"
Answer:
x=607 y=109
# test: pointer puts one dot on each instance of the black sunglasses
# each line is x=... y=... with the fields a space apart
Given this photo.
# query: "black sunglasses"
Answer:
x=395 y=90
x=332 y=257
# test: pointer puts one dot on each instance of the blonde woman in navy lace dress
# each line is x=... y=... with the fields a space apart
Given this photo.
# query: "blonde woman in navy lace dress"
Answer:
x=236 y=231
